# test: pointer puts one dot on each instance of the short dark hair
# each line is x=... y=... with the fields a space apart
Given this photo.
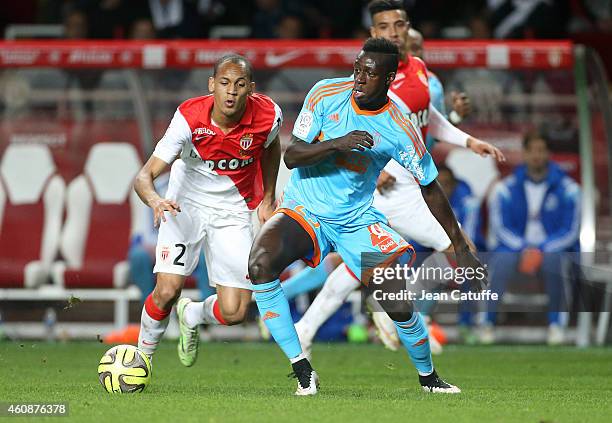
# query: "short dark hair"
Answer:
x=237 y=60
x=535 y=135
x=377 y=6
x=386 y=47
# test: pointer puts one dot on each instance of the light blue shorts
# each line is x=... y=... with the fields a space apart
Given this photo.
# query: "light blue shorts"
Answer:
x=368 y=238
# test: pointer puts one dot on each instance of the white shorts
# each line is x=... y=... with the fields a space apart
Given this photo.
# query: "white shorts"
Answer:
x=226 y=237
x=408 y=213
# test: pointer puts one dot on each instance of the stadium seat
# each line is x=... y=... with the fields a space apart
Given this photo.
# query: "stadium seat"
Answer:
x=101 y=212
x=31 y=208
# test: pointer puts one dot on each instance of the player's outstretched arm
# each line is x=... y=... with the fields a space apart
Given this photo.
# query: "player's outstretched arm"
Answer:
x=143 y=185
x=270 y=161
x=484 y=149
x=302 y=154
x=438 y=204
x=443 y=130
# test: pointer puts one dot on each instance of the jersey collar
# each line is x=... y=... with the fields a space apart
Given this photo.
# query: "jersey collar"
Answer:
x=369 y=112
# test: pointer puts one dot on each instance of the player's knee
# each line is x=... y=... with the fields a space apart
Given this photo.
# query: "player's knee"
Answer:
x=166 y=294
x=334 y=260
x=261 y=269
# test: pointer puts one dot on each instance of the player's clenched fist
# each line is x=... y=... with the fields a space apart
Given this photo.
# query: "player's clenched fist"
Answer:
x=159 y=206
x=354 y=140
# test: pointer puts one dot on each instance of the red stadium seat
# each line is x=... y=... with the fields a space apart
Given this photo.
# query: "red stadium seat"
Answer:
x=101 y=211
x=31 y=207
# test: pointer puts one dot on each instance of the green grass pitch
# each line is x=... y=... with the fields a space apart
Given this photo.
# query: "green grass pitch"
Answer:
x=247 y=382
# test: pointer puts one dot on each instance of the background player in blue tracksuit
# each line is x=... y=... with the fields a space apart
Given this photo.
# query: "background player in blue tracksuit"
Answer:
x=534 y=217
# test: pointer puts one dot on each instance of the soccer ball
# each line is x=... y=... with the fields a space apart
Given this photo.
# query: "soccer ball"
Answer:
x=124 y=369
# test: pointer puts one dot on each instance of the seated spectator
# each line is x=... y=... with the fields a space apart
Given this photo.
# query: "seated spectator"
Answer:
x=110 y=18
x=76 y=26
x=534 y=218
x=175 y=18
x=290 y=27
x=142 y=29
x=277 y=19
x=528 y=18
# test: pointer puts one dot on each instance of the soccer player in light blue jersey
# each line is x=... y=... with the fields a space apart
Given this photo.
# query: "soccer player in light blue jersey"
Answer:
x=346 y=133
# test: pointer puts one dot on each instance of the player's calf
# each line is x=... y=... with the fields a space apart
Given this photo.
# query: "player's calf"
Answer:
x=157 y=308
x=233 y=304
x=280 y=242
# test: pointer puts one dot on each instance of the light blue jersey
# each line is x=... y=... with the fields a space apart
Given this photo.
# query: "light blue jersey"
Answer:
x=340 y=188
x=436 y=94
x=332 y=202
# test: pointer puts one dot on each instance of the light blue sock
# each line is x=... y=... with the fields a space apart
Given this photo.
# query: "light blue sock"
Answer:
x=414 y=336
x=274 y=310
x=308 y=279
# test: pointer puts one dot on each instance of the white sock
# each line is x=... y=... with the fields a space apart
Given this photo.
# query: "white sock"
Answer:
x=336 y=290
x=151 y=332
x=198 y=313
x=298 y=358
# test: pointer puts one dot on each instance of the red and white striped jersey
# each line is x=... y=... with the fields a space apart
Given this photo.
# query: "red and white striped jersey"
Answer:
x=217 y=169
x=410 y=89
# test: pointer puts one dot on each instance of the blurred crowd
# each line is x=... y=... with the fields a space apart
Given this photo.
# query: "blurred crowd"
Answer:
x=290 y=19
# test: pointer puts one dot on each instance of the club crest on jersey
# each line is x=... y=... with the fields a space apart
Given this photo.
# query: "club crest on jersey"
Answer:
x=422 y=78
x=165 y=253
x=246 y=141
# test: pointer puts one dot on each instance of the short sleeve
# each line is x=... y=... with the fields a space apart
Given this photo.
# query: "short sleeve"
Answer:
x=411 y=153
x=276 y=125
x=436 y=90
x=176 y=136
x=310 y=120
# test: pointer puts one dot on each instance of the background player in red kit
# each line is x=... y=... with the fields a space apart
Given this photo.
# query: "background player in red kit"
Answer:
x=227 y=153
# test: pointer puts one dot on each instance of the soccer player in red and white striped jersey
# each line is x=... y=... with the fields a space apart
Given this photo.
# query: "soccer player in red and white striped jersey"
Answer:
x=224 y=150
